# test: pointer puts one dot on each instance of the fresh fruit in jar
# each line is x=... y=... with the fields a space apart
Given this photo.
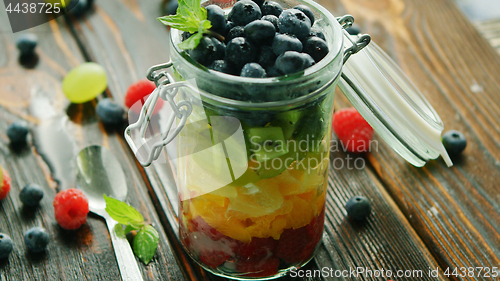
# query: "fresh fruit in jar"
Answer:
x=291 y=62
x=260 y=31
x=217 y=18
x=267 y=142
x=293 y=21
x=18 y=131
x=6 y=246
x=85 y=82
x=31 y=194
x=137 y=94
x=36 y=239
x=454 y=142
x=285 y=42
x=71 y=208
x=358 y=207
x=316 y=48
x=208 y=50
x=244 y=12
x=352 y=130
x=271 y=8
x=253 y=70
x=240 y=51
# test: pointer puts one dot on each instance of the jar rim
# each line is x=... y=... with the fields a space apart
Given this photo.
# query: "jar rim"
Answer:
x=332 y=56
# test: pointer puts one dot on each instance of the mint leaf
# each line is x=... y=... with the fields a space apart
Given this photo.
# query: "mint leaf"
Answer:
x=119 y=230
x=190 y=17
x=191 y=42
x=123 y=213
x=145 y=243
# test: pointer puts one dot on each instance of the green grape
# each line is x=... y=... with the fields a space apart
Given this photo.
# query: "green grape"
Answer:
x=85 y=82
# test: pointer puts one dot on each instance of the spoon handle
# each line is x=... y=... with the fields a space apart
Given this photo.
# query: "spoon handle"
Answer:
x=129 y=269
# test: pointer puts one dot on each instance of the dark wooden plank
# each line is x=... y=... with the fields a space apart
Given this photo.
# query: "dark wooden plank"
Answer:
x=454 y=210
x=86 y=253
x=387 y=241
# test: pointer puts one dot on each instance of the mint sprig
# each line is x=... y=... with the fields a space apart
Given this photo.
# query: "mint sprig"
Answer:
x=146 y=240
x=190 y=17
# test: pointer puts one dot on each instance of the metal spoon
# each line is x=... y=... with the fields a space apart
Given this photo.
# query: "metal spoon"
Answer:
x=100 y=173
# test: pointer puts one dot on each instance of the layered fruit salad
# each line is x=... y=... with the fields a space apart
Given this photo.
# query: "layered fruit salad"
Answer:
x=253 y=206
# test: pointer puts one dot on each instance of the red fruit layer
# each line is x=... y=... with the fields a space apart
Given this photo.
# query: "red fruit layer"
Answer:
x=261 y=256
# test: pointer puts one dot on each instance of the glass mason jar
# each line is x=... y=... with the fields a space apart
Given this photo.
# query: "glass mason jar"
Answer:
x=253 y=154
x=253 y=161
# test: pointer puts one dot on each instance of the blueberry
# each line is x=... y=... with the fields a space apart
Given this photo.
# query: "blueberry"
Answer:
x=291 y=62
x=358 y=207
x=273 y=72
x=185 y=35
x=258 y=2
x=31 y=195
x=170 y=7
x=110 y=112
x=78 y=8
x=306 y=10
x=220 y=48
x=253 y=70
x=353 y=30
x=272 y=8
x=260 y=31
x=316 y=48
x=267 y=56
x=454 y=142
x=239 y=52
x=27 y=43
x=284 y=42
x=36 y=239
x=317 y=32
x=6 y=246
x=237 y=31
x=216 y=16
x=222 y=66
x=229 y=26
x=17 y=132
x=244 y=12
x=272 y=19
x=207 y=51
x=295 y=22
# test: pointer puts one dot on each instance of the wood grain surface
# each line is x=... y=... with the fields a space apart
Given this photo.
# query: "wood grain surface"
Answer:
x=431 y=217
x=454 y=210
x=71 y=255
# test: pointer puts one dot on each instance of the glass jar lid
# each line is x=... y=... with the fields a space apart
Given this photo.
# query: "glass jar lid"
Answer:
x=391 y=104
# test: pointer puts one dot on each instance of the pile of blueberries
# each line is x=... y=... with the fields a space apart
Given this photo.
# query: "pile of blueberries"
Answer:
x=261 y=40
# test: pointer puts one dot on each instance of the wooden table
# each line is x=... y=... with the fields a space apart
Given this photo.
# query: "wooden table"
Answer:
x=431 y=217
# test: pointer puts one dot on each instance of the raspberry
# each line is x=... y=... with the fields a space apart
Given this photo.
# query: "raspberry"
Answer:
x=5 y=188
x=139 y=91
x=71 y=208
x=259 y=268
x=213 y=258
x=297 y=245
x=257 y=249
x=352 y=130
x=198 y=224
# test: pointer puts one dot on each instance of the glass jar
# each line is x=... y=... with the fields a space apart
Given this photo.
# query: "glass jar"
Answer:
x=253 y=154
x=253 y=162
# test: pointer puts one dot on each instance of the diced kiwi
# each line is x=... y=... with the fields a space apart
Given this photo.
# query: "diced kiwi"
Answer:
x=288 y=121
x=266 y=143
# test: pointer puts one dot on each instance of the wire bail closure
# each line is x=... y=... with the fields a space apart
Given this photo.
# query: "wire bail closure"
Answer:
x=166 y=89
x=363 y=40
